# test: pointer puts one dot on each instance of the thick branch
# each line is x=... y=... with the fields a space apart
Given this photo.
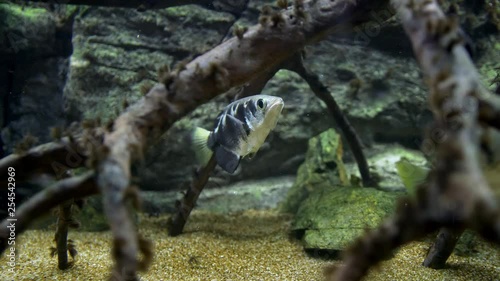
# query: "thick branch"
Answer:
x=442 y=248
x=456 y=195
x=42 y=202
x=232 y=63
x=53 y=158
x=489 y=110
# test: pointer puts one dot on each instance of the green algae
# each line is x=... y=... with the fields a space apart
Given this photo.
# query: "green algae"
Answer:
x=333 y=217
x=195 y=13
x=26 y=12
x=319 y=169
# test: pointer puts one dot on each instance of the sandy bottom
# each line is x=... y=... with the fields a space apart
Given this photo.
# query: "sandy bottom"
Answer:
x=253 y=245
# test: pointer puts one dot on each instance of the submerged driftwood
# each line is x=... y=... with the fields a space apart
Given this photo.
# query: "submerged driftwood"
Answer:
x=279 y=35
x=456 y=195
x=458 y=102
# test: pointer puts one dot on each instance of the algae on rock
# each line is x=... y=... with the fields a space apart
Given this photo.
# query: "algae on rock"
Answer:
x=332 y=217
x=318 y=170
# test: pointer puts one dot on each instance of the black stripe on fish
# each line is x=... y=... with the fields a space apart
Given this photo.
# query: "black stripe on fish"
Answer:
x=227 y=159
x=252 y=108
x=240 y=114
x=230 y=132
x=217 y=122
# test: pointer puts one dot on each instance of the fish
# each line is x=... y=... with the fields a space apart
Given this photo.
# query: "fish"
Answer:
x=413 y=175
x=239 y=131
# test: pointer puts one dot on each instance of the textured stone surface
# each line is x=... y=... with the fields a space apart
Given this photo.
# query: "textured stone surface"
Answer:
x=322 y=168
x=318 y=170
x=237 y=197
x=34 y=50
x=331 y=217
x=117 y=51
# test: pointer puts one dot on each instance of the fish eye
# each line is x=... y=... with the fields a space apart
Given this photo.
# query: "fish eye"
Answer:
x=260 y=103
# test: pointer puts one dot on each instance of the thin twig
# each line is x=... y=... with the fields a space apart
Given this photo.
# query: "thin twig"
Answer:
x=185 y=206
x=61 y=236
x=296 y=65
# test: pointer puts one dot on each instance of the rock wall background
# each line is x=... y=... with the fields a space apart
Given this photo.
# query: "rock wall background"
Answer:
x=56 y=69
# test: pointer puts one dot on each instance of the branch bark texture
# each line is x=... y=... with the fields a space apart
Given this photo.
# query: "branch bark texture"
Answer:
x=44 y=201
x=456 y=194
x=278 y=36
x=232 y=63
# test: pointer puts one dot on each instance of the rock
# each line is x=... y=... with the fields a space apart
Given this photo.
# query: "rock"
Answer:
x=467 y=244
x=318 y=170
x=383 y=102
x=382 y=160
x=332 y=217
x=117 y=52
x=33 y=67
x=35 y=102
x=252 y=194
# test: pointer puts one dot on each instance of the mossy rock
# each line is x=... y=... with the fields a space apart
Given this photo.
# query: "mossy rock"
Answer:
x=318 y=169
x=332 y=217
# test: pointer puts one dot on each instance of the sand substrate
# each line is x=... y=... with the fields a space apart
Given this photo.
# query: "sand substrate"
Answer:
x=254 y=245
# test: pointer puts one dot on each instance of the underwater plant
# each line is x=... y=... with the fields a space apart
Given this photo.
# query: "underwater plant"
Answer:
x=276 y=42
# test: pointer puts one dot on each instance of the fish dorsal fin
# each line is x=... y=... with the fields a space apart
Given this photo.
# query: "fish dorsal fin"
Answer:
x=226 y=159
x=200 y=145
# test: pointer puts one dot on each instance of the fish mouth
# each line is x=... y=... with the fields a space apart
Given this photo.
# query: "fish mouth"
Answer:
x=274 y=111
x=276 y=105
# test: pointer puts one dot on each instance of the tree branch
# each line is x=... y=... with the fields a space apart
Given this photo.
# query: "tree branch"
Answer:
x=42 y=202
x=321 y=91
x=185 y=206
x=277 y=37
x=456 y=194
x=238 y=60
x=442 y=248
x=64 y=221
x=53 y=158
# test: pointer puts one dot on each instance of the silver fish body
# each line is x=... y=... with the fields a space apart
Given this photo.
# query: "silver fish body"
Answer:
x=240 y=129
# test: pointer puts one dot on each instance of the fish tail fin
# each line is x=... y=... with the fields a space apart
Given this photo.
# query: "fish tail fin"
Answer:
x=199 y=139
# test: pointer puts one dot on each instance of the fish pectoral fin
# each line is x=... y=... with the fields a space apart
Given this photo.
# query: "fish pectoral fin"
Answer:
x=226 y=159
x=251 y=155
